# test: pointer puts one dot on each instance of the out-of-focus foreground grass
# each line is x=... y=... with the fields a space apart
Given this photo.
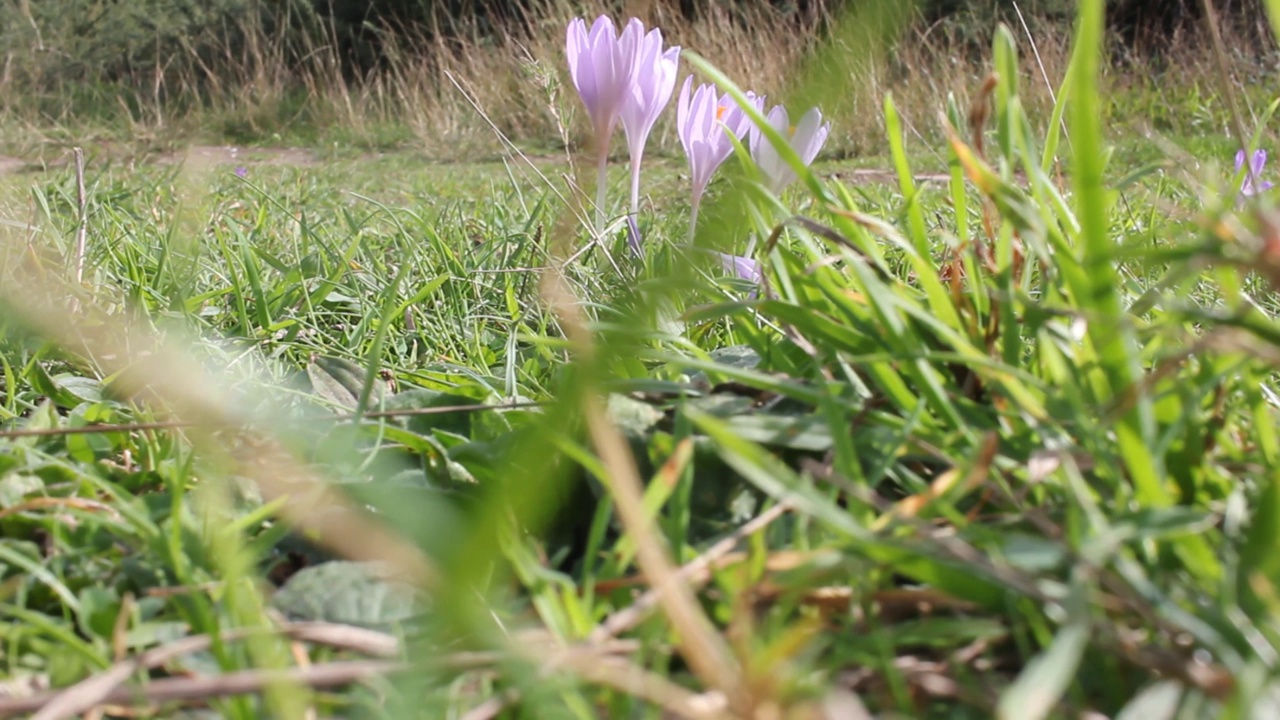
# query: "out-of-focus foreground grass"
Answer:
x=1000 y=441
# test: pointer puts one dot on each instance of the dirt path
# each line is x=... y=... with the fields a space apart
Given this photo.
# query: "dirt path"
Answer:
x=234 y=156
x=200 y=155
x=11 y=165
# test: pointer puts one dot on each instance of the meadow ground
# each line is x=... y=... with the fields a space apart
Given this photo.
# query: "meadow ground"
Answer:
x=320 y=433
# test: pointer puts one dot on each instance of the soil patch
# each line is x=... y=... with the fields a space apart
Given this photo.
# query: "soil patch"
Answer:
x=11 y=165
x=232 y=155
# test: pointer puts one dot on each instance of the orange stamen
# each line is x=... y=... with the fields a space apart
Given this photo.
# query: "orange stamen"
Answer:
x=720 y=112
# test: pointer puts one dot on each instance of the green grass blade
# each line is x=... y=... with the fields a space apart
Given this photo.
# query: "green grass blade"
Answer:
x=1109 y=329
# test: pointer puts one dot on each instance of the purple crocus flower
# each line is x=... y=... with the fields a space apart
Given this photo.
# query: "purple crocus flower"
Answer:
x=654 y=83
x=806 y=138
x=704 y=121
x=743 y=268
x=603 y=66
x=1256 y=163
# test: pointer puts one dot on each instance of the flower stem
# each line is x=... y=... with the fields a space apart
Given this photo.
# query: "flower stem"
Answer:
x=602 y=177
x=693 y=219
x=635 y=181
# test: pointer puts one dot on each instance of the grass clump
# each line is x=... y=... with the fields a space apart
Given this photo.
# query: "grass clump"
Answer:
x=359 y=439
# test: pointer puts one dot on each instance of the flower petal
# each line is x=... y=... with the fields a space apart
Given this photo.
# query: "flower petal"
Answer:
x=603 y=28
x=651 y=90
x=1252 y=182
x=810 y=136
x=575 y=41
x=705 y=121
x=682 y=113
x=744 y=268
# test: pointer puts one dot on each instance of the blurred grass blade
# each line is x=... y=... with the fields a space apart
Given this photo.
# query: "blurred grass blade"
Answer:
x=906 y=181
x=1109 y=329
x=1040 y=685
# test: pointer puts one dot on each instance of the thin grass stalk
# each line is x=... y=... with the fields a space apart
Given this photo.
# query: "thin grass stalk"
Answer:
x=700 y=644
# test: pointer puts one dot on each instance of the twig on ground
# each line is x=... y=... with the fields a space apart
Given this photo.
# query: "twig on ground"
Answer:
x=630 y=678
x=105 y=688
x=97 y=689
x=71 y=502
x=205 y=687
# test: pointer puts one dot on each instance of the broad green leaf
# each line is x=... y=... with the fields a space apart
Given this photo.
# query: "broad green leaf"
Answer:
x=457 y=422
x=348 y=592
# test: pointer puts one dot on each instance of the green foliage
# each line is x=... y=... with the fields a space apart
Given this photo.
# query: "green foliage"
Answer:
x=1003 y=443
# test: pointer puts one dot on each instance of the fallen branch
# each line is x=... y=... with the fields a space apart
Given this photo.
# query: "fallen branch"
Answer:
x=105 y=688
x=100 y=688
x=205 y=687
